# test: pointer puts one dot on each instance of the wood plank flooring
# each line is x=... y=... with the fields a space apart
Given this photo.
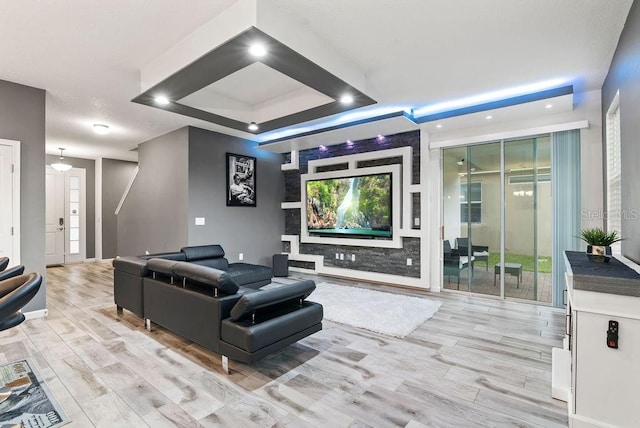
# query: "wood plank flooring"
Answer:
x=477 y=362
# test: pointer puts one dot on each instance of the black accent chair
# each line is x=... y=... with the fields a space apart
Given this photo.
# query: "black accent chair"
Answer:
x=452 y=262
x=11 y=272
x=4 y=262
x=15 y=293
x=479 y=253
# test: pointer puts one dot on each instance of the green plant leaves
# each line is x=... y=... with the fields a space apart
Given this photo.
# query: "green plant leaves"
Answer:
x=597 y=236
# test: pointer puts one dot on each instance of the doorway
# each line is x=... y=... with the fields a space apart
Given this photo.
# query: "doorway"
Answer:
x=497 y=218
x=65 y=240
x=10 y=205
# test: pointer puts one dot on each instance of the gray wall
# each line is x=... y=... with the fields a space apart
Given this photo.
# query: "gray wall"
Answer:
x=22 y=118
x=116 y=175
x=154 y=215
x=90 y=166
x=624 y=75
x=255 y=232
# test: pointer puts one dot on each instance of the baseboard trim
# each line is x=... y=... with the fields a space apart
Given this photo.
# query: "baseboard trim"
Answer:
x=36 y=314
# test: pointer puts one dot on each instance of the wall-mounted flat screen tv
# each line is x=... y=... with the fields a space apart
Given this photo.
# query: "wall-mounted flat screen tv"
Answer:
x=354 y=207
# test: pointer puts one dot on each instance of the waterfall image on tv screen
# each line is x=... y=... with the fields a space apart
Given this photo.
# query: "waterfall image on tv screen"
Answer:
x=358 y=206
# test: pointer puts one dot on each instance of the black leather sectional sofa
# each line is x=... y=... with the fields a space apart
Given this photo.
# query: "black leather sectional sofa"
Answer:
x=196 y=293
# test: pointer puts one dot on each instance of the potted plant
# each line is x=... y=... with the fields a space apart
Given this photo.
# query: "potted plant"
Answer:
x=599 y=242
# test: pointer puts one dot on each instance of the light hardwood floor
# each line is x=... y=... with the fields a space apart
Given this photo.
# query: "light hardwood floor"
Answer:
x=477 y=362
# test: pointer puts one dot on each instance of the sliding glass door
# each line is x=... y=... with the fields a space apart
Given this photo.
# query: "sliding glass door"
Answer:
x=497 y=218
x=472 y=216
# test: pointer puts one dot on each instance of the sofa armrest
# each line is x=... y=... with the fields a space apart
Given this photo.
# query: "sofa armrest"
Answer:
x=163 y=266
x=216 y=278
x=249 y=303
x=179 y=256
x=132 y=265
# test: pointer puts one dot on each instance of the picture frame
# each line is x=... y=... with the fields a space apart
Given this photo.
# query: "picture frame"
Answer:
x=241 y=180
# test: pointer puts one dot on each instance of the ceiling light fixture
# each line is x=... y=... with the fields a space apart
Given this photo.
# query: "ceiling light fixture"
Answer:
x=257 y=50
x=100 y=128
x=61 y=166
x=439 y=125
x=489 y=117
x=549 y=106
x=253 y=126
x=161 y=99
x=346 y=99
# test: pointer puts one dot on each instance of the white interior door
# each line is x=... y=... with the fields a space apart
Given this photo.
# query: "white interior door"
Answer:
x=6 y=206
x=55 y=217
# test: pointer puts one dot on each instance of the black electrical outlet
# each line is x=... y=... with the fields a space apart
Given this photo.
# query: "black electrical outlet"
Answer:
x=612 y=334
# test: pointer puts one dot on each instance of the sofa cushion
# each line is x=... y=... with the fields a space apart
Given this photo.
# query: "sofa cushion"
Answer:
x=245 y=273
x=249 y=303
x=132 y=265
x=215 y=277
x=200 y=252
x=275 y=326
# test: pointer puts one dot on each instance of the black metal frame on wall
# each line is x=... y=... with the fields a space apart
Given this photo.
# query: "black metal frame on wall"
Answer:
x=241 y=181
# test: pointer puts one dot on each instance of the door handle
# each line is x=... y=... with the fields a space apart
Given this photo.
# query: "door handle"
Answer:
x=61 y=221
x=61 y=228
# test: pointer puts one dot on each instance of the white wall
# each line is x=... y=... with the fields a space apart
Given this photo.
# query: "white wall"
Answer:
x=587 y=106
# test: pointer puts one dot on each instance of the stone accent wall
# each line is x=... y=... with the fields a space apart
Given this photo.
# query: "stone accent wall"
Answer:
x=302 y=265
x=391 y=261
x=415 y=207
x=292 y=186
x=292 y=224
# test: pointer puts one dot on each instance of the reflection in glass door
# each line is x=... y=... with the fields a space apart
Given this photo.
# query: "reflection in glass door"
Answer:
x=528 y=218
x=497 y=218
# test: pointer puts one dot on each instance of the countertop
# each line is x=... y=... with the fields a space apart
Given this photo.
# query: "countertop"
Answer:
x=613 y=277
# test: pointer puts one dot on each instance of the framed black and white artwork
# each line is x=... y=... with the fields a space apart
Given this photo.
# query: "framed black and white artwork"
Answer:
x=241 y=180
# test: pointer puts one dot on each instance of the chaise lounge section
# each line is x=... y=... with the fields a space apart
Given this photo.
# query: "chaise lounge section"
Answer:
x=207 y=305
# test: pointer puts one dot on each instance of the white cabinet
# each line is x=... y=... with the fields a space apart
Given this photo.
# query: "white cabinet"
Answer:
x=605 y=382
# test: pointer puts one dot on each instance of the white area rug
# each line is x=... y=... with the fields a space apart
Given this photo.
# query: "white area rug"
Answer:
x=386 y=313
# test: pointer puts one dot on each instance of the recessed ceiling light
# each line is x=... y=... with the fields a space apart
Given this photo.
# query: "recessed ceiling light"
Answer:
x=161 y=99
x=548 y=106
x=439 y=125
x=253 y=126
x=257 y=50
x=100 y=128
x=346 y=99
x=489 y=117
